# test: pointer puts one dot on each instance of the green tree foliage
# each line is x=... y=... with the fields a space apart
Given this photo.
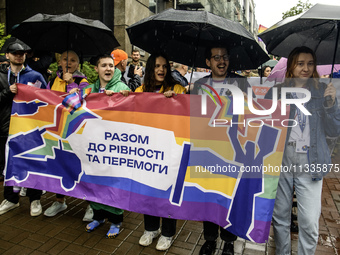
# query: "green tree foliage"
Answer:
x=299 y=8
x=3 y=38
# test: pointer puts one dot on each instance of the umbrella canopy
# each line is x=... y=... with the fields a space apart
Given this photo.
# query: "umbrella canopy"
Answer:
x=271 y=63
x=57 y=33
x=317 y=28
x=279 y=71
x=184 y=36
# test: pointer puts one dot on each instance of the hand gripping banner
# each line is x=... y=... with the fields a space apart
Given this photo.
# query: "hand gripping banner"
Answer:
x=152 y=155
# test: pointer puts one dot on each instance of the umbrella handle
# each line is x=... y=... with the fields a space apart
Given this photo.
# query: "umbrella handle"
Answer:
x=337 y=25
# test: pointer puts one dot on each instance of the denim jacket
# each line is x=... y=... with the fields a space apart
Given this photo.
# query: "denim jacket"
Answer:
x=324 y=121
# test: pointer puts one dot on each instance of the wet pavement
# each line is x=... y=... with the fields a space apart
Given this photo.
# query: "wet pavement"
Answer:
x=65 y=233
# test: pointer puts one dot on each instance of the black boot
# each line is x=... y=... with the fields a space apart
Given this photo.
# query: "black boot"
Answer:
x=208 y=248
x=228 y=248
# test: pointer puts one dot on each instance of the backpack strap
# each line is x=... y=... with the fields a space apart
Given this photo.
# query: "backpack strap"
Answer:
x=78 y=80
x=52 y=82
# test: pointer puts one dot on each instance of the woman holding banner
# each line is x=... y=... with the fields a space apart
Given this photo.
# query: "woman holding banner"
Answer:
x=306 y=157
x=70 y=80
x=158 y=79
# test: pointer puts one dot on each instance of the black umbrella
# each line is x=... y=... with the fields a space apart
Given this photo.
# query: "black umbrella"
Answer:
x=58 y=33
x=317 y=28
x=184 y=35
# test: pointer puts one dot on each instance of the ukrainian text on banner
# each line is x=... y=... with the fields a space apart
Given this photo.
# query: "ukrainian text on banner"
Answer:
x=132 y=152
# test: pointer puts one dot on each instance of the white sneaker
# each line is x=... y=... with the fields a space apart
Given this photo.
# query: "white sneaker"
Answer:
x=6 y=206
x=55 y=208
x=36 y=208
x=88 y=214
x=23 y=192
x=148 y=236
x=163 y=243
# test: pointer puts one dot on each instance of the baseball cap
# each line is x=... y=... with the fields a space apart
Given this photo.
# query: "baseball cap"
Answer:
x=118 y=55
x=15 y=47
x=13 y=44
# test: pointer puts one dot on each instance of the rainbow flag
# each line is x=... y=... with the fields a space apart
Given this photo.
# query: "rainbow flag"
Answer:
x=85 y=92
x=162 y=158
x=260 y=30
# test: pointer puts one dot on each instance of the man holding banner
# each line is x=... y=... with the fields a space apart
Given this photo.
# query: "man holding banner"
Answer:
x=217 y=58
x=15 y=72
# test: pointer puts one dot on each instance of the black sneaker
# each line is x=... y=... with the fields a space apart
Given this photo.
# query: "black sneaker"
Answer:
x=208 y=248
x=228 y=248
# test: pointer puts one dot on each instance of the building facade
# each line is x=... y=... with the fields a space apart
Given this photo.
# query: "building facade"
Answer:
x=242 y=11
x=119 y=14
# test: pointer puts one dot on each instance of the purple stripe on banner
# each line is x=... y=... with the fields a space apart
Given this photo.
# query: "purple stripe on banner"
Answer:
x=261 y=229
x=196 y=211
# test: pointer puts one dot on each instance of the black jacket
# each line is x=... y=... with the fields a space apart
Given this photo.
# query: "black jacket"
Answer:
x=6 y=99
x=133 y=83
x=25 y=76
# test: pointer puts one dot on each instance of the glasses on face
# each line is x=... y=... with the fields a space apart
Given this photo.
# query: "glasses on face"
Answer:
x=218 y=57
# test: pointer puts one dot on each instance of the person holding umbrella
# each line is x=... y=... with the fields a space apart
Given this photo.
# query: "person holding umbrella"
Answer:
x=217 y=59
x=306 y=153
x=69 y=78
x=158 y=79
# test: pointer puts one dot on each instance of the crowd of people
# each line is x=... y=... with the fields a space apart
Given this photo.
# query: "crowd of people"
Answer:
x=157 y=77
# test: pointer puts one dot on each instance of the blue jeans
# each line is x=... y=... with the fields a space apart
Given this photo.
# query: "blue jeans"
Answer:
x=308 y=195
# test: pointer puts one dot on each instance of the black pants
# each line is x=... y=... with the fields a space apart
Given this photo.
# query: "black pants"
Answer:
x=13 y=197
x=59 y=196
x=103 y=214
x=3 y=140
x=211 y=232
x=152 y=223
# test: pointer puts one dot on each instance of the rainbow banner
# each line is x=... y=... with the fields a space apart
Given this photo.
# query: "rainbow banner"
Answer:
x=260 y=30
x=152 y=155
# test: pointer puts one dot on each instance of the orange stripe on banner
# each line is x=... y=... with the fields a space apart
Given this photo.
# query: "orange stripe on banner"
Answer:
x=179 y=124
x=42 y=115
